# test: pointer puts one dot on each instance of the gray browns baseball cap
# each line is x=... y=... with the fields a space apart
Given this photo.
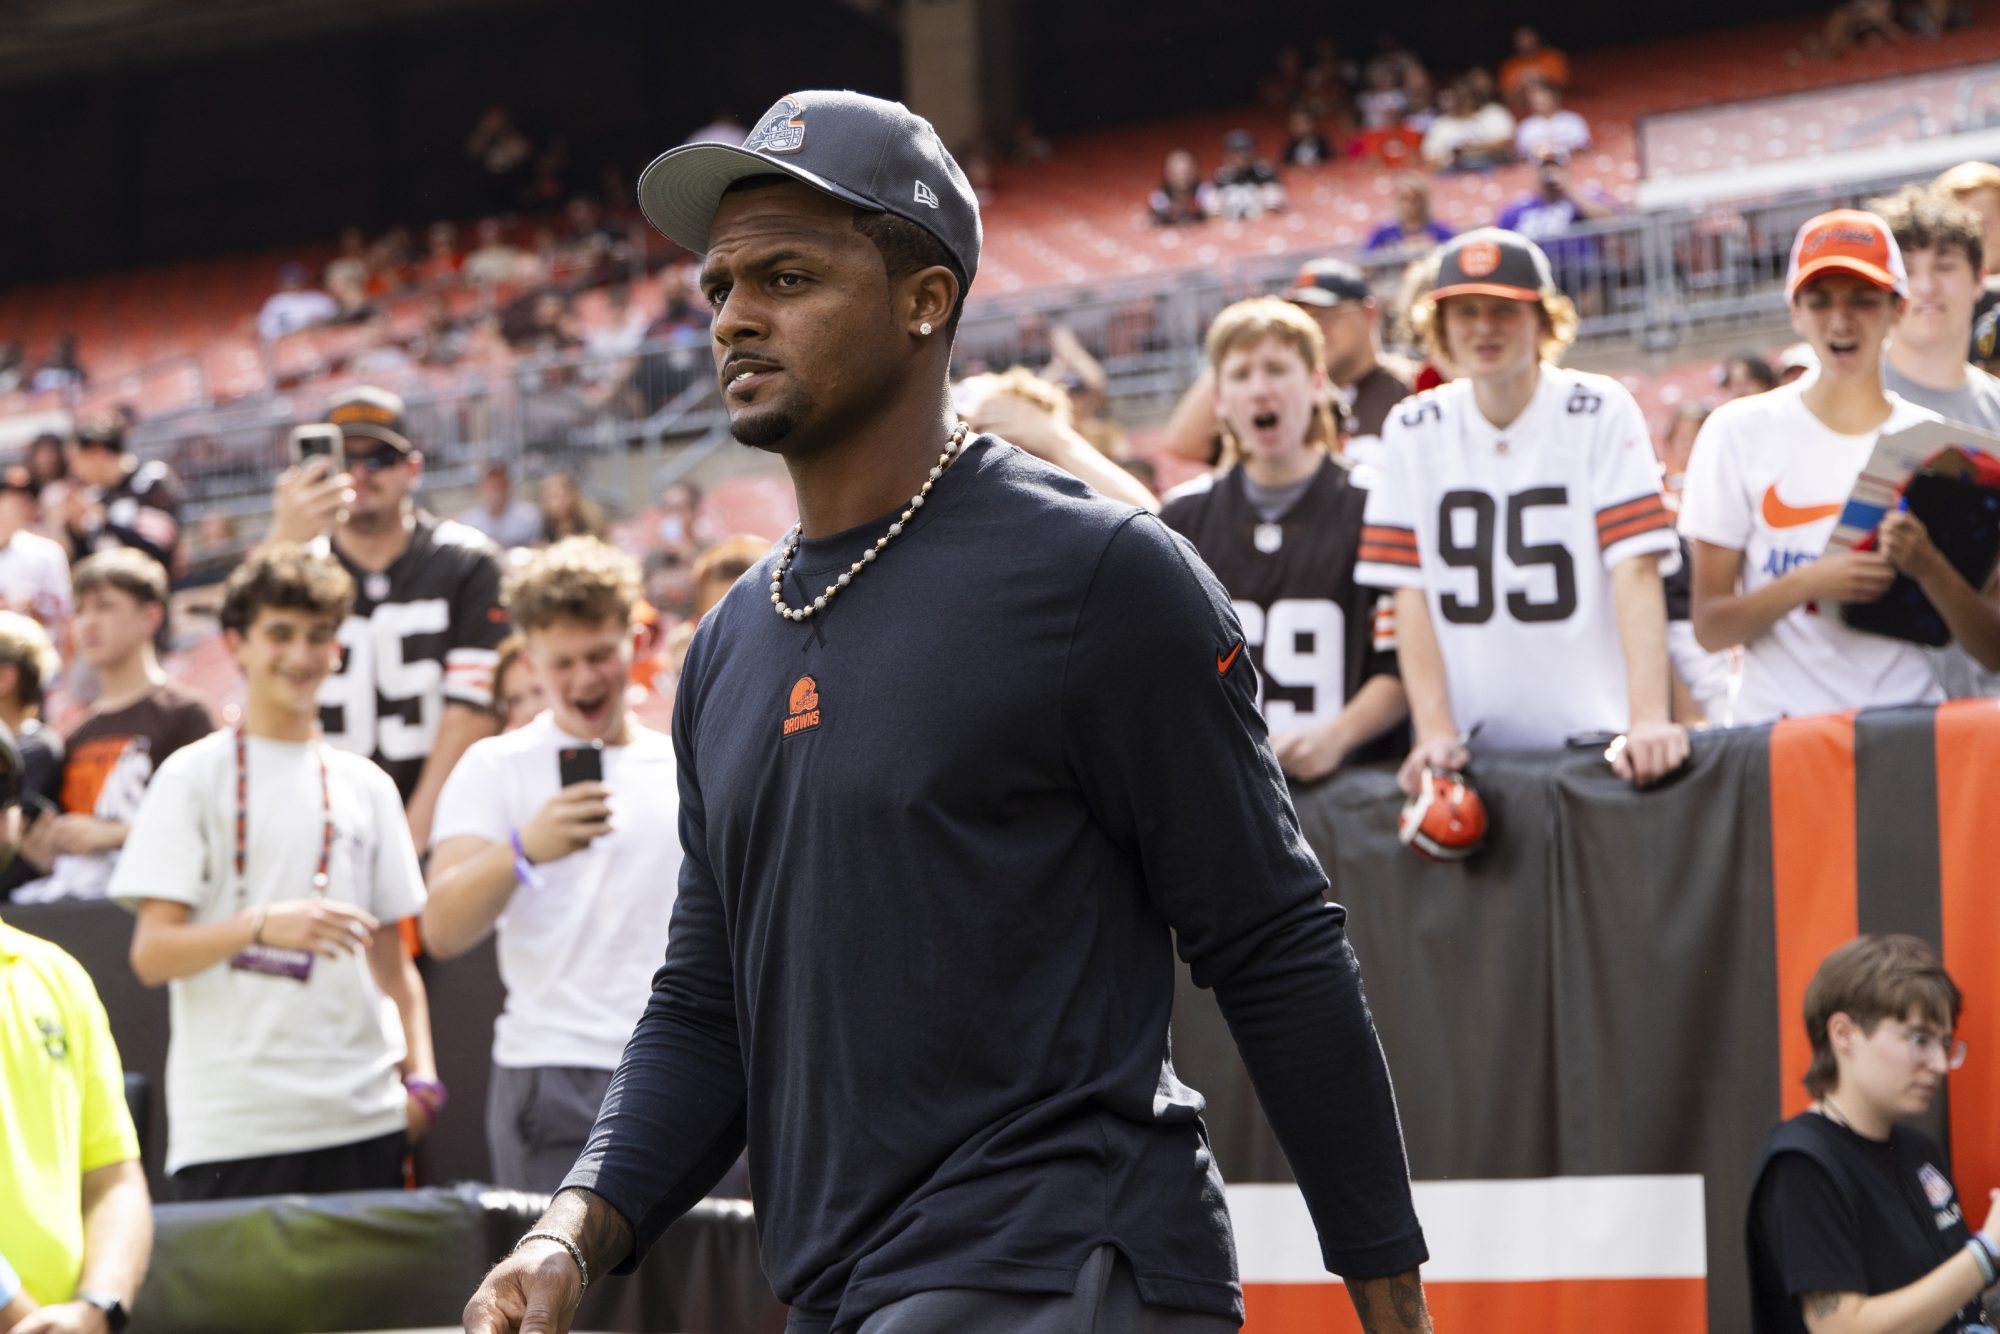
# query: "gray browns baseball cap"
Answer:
x=873 y=154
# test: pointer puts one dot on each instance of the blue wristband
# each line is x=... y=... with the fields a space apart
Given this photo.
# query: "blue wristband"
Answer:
x=10 y=1282
x=524 y=870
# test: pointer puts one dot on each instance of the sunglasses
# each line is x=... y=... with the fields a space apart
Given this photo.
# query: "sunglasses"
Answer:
x=374 y=460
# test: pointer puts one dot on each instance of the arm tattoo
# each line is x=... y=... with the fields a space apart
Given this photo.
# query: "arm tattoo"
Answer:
x=1821 y=1303
x=1393 y=1305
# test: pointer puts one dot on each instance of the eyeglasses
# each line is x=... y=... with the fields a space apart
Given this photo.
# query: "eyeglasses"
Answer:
x=1925 y=1044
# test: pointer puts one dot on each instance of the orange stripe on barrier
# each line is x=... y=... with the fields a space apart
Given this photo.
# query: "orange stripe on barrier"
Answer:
x=1968 y=767
x=1812 y=872
x=1568 y=1306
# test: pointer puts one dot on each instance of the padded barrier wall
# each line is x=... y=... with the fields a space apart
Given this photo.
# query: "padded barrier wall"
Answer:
x=1592 y=1028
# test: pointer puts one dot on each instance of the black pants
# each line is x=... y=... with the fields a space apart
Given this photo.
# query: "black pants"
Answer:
x=369 y=1164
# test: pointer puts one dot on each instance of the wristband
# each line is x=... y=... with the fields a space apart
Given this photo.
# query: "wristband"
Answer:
x=1990 y=1251
x=575 y=1252
x=429 y=1093
x=524 y=870
x=1976 y=1248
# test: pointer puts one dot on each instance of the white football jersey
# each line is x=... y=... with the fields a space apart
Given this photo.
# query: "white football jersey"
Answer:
x=1769 y=479
x=1512 y=535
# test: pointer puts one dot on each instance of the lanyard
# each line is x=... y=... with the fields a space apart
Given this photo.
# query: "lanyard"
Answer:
x=319 y=880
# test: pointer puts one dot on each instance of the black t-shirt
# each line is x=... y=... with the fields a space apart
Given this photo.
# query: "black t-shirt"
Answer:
x=1313 y=634
x=41 y=751
x=939 y=846
x=1834 y=1211
x=141 y=509
x=424 y=632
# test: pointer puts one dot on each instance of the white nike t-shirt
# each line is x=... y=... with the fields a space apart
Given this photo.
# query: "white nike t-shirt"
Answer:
x=1768 y=478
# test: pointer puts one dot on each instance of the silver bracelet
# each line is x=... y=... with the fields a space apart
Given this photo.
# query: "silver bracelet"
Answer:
x=575 y=1252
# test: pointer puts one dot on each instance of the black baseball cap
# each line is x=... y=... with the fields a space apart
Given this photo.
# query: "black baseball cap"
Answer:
x=1492 y=262
x=1328 y=282
x=372 y=414
x=862 y=150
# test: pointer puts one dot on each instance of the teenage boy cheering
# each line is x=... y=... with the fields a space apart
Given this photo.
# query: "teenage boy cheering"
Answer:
x=1281 y=528
x=1767 y=480
x=1517 y=513
x=578 y=881
x=1855 y=1228
x=268 y=870
x=1944 y=249
x=141 y=717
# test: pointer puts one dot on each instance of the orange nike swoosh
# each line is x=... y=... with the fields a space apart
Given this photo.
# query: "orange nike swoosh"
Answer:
x=1223 y=664
x=1780 y=515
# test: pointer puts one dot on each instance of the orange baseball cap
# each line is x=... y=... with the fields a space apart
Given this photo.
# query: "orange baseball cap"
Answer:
x=1847 y=240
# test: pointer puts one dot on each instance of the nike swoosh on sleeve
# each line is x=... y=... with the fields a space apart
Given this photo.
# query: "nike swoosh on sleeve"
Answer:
x=1223 y=664
x=1780 y=515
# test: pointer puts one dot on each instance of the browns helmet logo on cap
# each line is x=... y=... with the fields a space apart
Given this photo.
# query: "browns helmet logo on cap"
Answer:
x=783 y=129
x=1478 y=258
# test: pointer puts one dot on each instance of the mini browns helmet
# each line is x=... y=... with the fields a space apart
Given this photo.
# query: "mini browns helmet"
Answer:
x=1445 y=821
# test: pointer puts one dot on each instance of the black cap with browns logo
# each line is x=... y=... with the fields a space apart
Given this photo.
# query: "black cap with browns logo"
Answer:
x=1328 y=282
x=875 y=155
x=1492 y=262
x=373 y=414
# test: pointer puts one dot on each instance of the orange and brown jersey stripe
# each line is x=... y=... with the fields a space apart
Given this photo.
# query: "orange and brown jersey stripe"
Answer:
x=1646 y=514
x=1389 y=545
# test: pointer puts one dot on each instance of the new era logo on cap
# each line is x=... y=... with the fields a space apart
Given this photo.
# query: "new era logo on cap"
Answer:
x=1847 y=240
x=873 y=154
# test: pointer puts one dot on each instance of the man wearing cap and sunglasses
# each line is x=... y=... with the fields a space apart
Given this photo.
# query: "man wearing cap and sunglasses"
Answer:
x=960 y=763
x=1767 y=481
x=415 y=685
x=1362 y=386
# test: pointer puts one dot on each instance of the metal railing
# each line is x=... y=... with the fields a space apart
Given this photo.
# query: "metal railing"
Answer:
x=540 y=414
x=1652 y=278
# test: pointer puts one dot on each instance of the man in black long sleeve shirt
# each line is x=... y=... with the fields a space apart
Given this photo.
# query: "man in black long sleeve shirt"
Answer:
x=946 y=808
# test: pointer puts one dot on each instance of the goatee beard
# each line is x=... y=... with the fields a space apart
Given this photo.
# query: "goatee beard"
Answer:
x=763 y=431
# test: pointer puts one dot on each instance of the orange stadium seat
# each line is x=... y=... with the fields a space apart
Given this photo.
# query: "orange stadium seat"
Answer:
x=1081 y=215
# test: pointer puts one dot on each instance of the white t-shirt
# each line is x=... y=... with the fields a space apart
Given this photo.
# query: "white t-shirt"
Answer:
x=579 y=950
x=34 y=577
x=257 y=1064
x=1513 y=534
x=1563 y=132
x=1768 y=478
x=289 y=312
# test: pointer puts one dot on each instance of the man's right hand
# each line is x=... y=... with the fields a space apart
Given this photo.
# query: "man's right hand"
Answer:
x=306 y=502
x=322 y=926
x=1848 y=576
x=573 y=819
x=533 y=1291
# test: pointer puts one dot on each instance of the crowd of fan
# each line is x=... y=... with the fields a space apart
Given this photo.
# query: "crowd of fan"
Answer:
x=1388 y=109
x=453 y=660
